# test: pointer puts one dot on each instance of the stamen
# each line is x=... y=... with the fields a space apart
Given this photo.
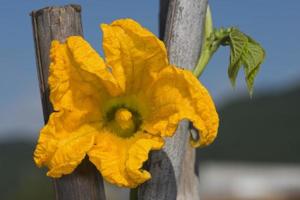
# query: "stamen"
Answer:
x=123 y=115
x=124 y=118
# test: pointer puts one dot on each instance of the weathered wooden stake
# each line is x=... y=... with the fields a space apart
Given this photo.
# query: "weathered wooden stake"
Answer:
x=172 y=168
x=50 y=23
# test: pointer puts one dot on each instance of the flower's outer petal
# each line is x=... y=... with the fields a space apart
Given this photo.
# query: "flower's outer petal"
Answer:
x=137 y=155
x=133 y=52
x=47 y=142
x=89 y=60
x=176 y=95
x=72 y=84
x=62 y=150
x=120 y=159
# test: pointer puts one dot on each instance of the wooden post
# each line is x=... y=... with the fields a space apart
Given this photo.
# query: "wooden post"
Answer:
x=50 y=23
x=172 y=168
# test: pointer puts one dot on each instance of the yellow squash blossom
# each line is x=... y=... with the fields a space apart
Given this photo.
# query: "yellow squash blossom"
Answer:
x=116 y=111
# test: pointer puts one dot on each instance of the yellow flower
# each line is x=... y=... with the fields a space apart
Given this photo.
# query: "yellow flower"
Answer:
x=116 y=111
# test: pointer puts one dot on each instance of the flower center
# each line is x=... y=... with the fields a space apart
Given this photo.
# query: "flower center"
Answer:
x=124 y=118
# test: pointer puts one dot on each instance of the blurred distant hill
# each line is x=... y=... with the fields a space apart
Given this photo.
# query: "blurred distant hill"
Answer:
x=264 y=129
x=19 y=178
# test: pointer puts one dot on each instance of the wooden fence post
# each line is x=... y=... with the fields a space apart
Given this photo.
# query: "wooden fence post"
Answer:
x=50 y=23
x=172 y=168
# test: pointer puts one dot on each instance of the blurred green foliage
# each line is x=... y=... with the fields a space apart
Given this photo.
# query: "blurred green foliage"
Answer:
x=20 y=178
x=262 y=129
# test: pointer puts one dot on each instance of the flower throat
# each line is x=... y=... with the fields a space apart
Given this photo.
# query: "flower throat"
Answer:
x=123 y=121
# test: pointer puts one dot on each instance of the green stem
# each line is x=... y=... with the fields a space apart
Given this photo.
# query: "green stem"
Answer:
x=211 y=46
x=202 y=62
x=205 y=53
x=212 y=40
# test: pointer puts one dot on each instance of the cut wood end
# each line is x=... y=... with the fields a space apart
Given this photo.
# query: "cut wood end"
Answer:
x=35 y=13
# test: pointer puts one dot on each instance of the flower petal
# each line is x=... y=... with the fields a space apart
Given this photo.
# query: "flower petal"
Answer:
x=76 y=84
x=89 y=60
x=133 y=52
x=137 y=155
x=176 y=95
x=120 y=160
x=62 y=150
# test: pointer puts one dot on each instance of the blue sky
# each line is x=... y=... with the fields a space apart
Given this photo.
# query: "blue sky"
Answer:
x=273 y=23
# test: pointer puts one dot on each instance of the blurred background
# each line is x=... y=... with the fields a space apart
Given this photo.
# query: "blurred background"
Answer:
x=256 y=155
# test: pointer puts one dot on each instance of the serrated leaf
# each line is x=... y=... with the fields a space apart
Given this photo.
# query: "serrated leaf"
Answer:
x=237 y=42
x=246 y=52
x=252 y=58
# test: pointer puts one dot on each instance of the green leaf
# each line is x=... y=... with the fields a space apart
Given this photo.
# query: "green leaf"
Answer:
x=253 y=57
x=246 y=52
x=237 y=42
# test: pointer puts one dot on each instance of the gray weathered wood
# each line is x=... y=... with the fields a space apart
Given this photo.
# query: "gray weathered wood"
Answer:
x=189 y=186
x=50 y=23
x=183 y=38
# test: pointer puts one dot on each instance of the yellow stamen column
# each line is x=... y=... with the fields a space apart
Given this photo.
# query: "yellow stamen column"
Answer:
x=124 y=118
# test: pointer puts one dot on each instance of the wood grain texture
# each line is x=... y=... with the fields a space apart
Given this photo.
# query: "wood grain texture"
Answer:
x=189 y=186
x=171 y=179
x=50 y=23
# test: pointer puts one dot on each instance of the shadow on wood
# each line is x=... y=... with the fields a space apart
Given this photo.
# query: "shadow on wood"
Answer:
x=157 y=187
x=86 y=177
